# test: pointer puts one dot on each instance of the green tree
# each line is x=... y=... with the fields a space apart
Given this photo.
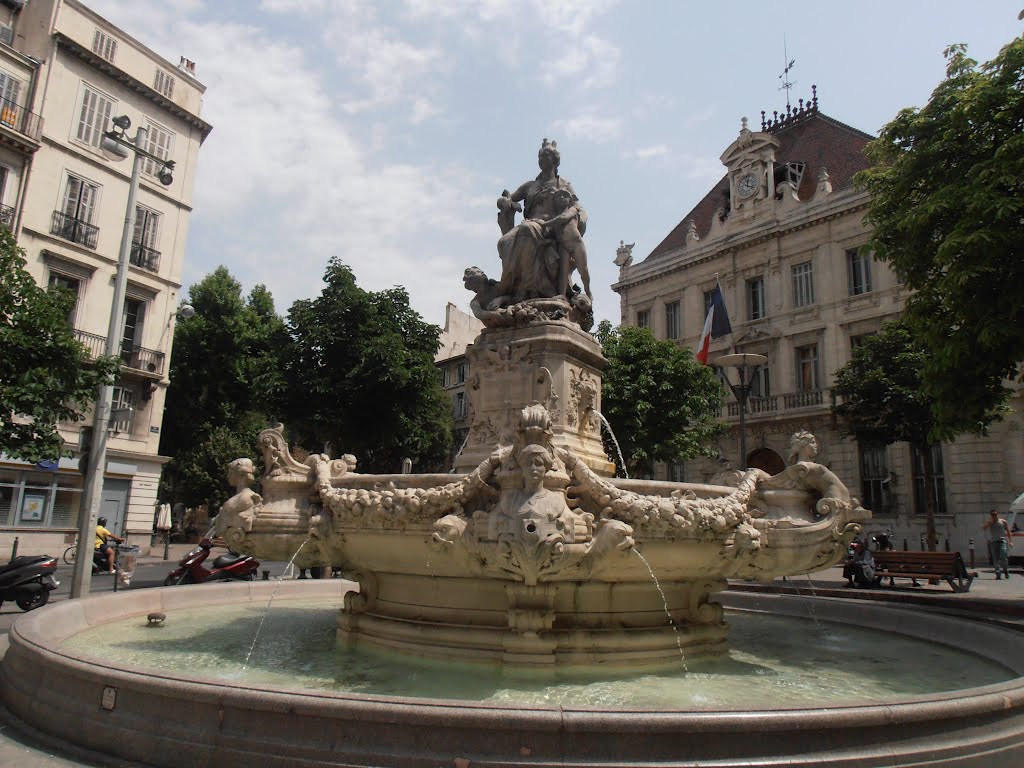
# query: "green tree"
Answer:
x=947 y=207
x=662 y=404
x=881 y=398
x=227 y=383
x=46 y=376
x=363 y=378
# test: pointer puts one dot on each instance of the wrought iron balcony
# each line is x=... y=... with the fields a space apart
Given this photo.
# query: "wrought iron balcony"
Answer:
x=779 y=405
x=19 y=119
x=144 y=257
x=75 y=230
x=132 y=356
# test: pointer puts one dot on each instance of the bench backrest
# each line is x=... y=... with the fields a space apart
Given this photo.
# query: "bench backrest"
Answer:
x=920 y=562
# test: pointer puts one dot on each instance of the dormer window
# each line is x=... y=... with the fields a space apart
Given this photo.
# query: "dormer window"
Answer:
x=790 y=174
x=104 y=45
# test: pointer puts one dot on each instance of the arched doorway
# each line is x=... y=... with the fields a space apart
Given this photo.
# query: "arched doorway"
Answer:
x=766 y=459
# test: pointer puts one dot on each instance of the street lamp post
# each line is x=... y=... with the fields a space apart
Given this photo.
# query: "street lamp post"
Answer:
x=745 y=363
x=115 y=146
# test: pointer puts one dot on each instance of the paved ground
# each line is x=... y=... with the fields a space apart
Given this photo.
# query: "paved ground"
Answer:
x=988 y=599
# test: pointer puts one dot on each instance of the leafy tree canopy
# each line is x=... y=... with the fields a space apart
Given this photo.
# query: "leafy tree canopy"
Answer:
x=363 y=379
x=662 y=404
x=880 y=392
x=882 y=398
x=947 y=207
x=227 y=383
x=45 y=373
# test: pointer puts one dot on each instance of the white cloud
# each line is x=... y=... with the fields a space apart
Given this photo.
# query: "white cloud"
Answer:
x=647 y=153
x=591 y=127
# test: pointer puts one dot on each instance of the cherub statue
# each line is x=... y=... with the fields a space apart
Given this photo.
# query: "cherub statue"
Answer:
x=238 y=511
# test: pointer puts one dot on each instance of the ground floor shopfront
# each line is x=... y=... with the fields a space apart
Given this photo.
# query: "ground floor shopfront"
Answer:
x=41 y=504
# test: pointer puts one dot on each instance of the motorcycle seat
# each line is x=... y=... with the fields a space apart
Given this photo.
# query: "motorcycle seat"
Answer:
x=21 y=562
x=228 y=558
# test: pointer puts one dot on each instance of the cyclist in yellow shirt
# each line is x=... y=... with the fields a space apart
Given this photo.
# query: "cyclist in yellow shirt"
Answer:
x=101 y=546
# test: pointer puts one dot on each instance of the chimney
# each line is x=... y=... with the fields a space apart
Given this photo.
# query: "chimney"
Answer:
x=188 y=66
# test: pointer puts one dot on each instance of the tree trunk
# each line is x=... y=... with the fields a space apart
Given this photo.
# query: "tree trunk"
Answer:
x=929 y=496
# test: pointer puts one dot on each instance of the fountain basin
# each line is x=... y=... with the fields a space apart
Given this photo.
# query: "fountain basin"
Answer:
x=167 y=719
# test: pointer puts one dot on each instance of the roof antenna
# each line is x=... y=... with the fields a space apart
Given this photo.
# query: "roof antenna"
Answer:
x=787 y=84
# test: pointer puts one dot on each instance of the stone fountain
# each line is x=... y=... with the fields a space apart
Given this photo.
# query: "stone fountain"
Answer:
x=534 y=555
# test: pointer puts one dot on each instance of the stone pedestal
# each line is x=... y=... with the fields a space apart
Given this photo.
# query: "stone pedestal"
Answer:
x=554 y=364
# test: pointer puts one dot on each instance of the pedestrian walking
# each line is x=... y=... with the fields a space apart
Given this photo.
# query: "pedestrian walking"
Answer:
x=999 y=540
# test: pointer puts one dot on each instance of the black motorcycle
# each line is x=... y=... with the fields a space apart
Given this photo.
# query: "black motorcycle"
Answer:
x=28 y=580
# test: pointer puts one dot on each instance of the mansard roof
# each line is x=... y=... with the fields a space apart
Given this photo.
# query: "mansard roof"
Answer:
x=813 y=138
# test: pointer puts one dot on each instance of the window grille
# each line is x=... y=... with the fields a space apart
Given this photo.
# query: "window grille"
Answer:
x=874 y=477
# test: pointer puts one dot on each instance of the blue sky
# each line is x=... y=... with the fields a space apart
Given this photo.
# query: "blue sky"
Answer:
x=382 y=132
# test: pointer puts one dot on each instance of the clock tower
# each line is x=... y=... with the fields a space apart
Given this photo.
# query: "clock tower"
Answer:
x=751 y=163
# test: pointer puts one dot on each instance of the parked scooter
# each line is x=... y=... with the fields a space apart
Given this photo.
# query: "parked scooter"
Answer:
x=230 y=566
x=28 y=580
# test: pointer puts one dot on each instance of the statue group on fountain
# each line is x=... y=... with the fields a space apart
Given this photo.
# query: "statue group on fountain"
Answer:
x=538 y=255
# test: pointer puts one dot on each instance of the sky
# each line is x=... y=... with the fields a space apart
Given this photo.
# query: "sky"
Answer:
x=382 y=131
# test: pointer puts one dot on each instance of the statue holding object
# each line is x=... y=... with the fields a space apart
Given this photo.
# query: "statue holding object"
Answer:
x=538 y=255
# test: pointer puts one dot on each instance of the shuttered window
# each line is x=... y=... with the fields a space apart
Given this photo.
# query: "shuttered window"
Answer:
x=93 y=116
x=104 y=45
x=80 y=199
x=159 y=142
x=164 y=83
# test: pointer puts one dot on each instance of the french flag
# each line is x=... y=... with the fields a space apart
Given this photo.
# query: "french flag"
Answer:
x=715 y=325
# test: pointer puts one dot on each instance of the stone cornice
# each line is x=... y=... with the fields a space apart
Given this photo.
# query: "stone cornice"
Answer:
x=730 y=243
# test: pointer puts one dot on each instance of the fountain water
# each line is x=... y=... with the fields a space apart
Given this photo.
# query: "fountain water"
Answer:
x=520 y=563
x=266 y=610
x=615 y=440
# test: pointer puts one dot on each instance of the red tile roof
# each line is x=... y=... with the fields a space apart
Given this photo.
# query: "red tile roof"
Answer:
x=817 y=140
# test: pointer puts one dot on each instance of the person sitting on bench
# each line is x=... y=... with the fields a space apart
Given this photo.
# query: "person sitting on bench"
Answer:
x=860 y=567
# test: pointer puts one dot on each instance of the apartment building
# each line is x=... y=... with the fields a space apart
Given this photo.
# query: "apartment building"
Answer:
x=460 y=330
x=65 y=73
x=781 y=233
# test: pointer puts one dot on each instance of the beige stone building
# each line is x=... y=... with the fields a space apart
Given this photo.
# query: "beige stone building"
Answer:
x=781 y=233
x=460 y=329
x=64 y=73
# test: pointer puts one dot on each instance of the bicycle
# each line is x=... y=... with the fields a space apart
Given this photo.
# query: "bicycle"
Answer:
x=70 y=554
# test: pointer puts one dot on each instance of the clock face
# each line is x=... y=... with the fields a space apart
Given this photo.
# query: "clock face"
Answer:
x=747 y=185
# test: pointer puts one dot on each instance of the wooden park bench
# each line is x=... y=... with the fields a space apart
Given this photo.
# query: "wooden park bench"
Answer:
x=949 y=566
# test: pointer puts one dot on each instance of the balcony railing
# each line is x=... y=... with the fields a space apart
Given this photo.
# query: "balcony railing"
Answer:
x=75 y=230
x=133 y=356
x=770 y=406
x=809 y=399
x=142 y=359
x=144 y=257
x=20 y=119
x=756 y=405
